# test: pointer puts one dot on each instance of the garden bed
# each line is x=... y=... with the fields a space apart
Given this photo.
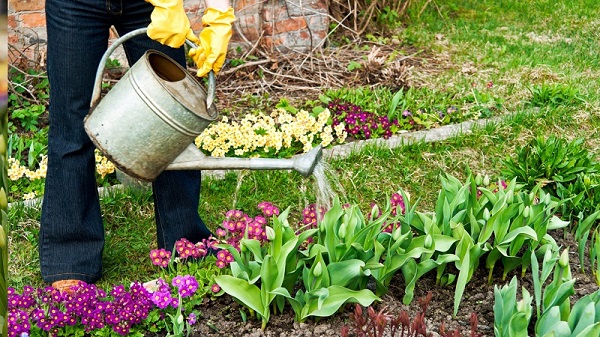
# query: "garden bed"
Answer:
x=221 y=317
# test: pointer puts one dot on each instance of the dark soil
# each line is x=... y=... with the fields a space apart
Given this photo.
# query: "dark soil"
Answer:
x=222 y=318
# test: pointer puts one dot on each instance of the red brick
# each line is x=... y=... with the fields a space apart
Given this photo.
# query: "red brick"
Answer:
x=244 y=4
x=12 y=21
x=250 y=33
x=33 y=19
x=26 y=5
x=284 y=26
x=269 y=42
x=196 y=25
x=13 y=38
x=274 y=14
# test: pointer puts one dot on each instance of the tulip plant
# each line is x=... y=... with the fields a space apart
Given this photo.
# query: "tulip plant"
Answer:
x=478 y=219
x=347 y=239
x=582 y=233
x=511 y=318
x=339 y=262
x=555 y=316
x=258 y=271
x=325 y=289
x=595 y=255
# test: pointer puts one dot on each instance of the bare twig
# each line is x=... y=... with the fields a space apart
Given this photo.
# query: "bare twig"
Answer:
x=244 y=65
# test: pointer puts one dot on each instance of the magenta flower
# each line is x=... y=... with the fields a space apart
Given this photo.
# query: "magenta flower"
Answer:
x=397 y=200
x=186 y=285
x=215 y=288
x=160 y=257
x=268 y=208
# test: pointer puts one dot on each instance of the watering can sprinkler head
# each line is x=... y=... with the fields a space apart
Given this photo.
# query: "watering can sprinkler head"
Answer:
x=306 y=163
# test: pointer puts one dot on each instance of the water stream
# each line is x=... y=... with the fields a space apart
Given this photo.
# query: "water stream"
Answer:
x=326 y=186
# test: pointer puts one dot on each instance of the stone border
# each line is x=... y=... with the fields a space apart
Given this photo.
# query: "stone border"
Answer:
x=338 y=151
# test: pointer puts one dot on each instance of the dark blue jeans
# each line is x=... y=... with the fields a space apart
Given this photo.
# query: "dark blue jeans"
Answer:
x=72 y=233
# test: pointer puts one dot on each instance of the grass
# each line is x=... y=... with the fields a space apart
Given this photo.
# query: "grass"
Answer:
x=513 y=44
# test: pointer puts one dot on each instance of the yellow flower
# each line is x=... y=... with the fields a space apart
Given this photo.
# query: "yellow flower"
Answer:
x=29 y=196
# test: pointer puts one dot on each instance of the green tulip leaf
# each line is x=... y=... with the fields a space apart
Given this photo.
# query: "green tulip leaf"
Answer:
x=517 y=326
x=248 y=294
x=591 y=330
x=343 y=272
x=549 y=321
x=338 y=296
x=582 y=315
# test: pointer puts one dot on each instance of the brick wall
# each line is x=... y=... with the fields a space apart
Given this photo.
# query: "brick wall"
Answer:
x=273 y=25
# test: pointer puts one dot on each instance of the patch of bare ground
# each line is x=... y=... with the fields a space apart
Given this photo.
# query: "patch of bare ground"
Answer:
x=303 y=76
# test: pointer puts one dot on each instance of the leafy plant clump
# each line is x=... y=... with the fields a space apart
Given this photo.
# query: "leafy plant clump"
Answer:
x=554 y=314
x=553 y=95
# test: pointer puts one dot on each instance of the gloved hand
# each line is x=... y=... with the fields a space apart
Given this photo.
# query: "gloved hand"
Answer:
x=170 y=25
x=214 y=39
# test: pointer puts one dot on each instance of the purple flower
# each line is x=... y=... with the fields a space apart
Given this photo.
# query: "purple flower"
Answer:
x=192 y=318
x=186 y=285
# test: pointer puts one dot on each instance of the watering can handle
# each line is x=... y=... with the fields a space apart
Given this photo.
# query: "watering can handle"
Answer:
x=98 y=82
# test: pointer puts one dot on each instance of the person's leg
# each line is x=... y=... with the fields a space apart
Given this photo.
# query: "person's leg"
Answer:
x=176 y=193
x=72 y=234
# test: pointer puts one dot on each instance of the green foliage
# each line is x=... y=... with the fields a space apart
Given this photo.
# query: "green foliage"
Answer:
x=352 y=65
x=112 y=64
x=554 y=95
x=579 y=197
x=475 y=219
x=338 y=264
x=511 y=318
x=555 y=316
x=388 y=17
x=595 y=255
x=548 y=161
x=582 y=232
x=427 y=107
x=27 y=118
x=28 y=150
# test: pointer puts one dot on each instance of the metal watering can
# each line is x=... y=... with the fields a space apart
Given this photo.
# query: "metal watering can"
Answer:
x=148 y=121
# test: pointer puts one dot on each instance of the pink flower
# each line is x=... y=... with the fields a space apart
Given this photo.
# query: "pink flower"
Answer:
x=160 y=257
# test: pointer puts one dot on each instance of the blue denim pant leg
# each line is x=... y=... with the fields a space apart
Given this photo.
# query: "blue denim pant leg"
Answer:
x=72 y=235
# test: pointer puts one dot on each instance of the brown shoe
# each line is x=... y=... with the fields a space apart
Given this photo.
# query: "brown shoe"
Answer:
x=65 y=286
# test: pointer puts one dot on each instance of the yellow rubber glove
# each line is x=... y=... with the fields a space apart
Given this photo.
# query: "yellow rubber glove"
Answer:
x=214 y=39
x=170 y=25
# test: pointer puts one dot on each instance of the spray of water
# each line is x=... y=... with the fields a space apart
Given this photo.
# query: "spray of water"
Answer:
x=324 y=182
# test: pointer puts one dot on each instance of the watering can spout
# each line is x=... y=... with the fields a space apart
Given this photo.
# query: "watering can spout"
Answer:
x=193 y=159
